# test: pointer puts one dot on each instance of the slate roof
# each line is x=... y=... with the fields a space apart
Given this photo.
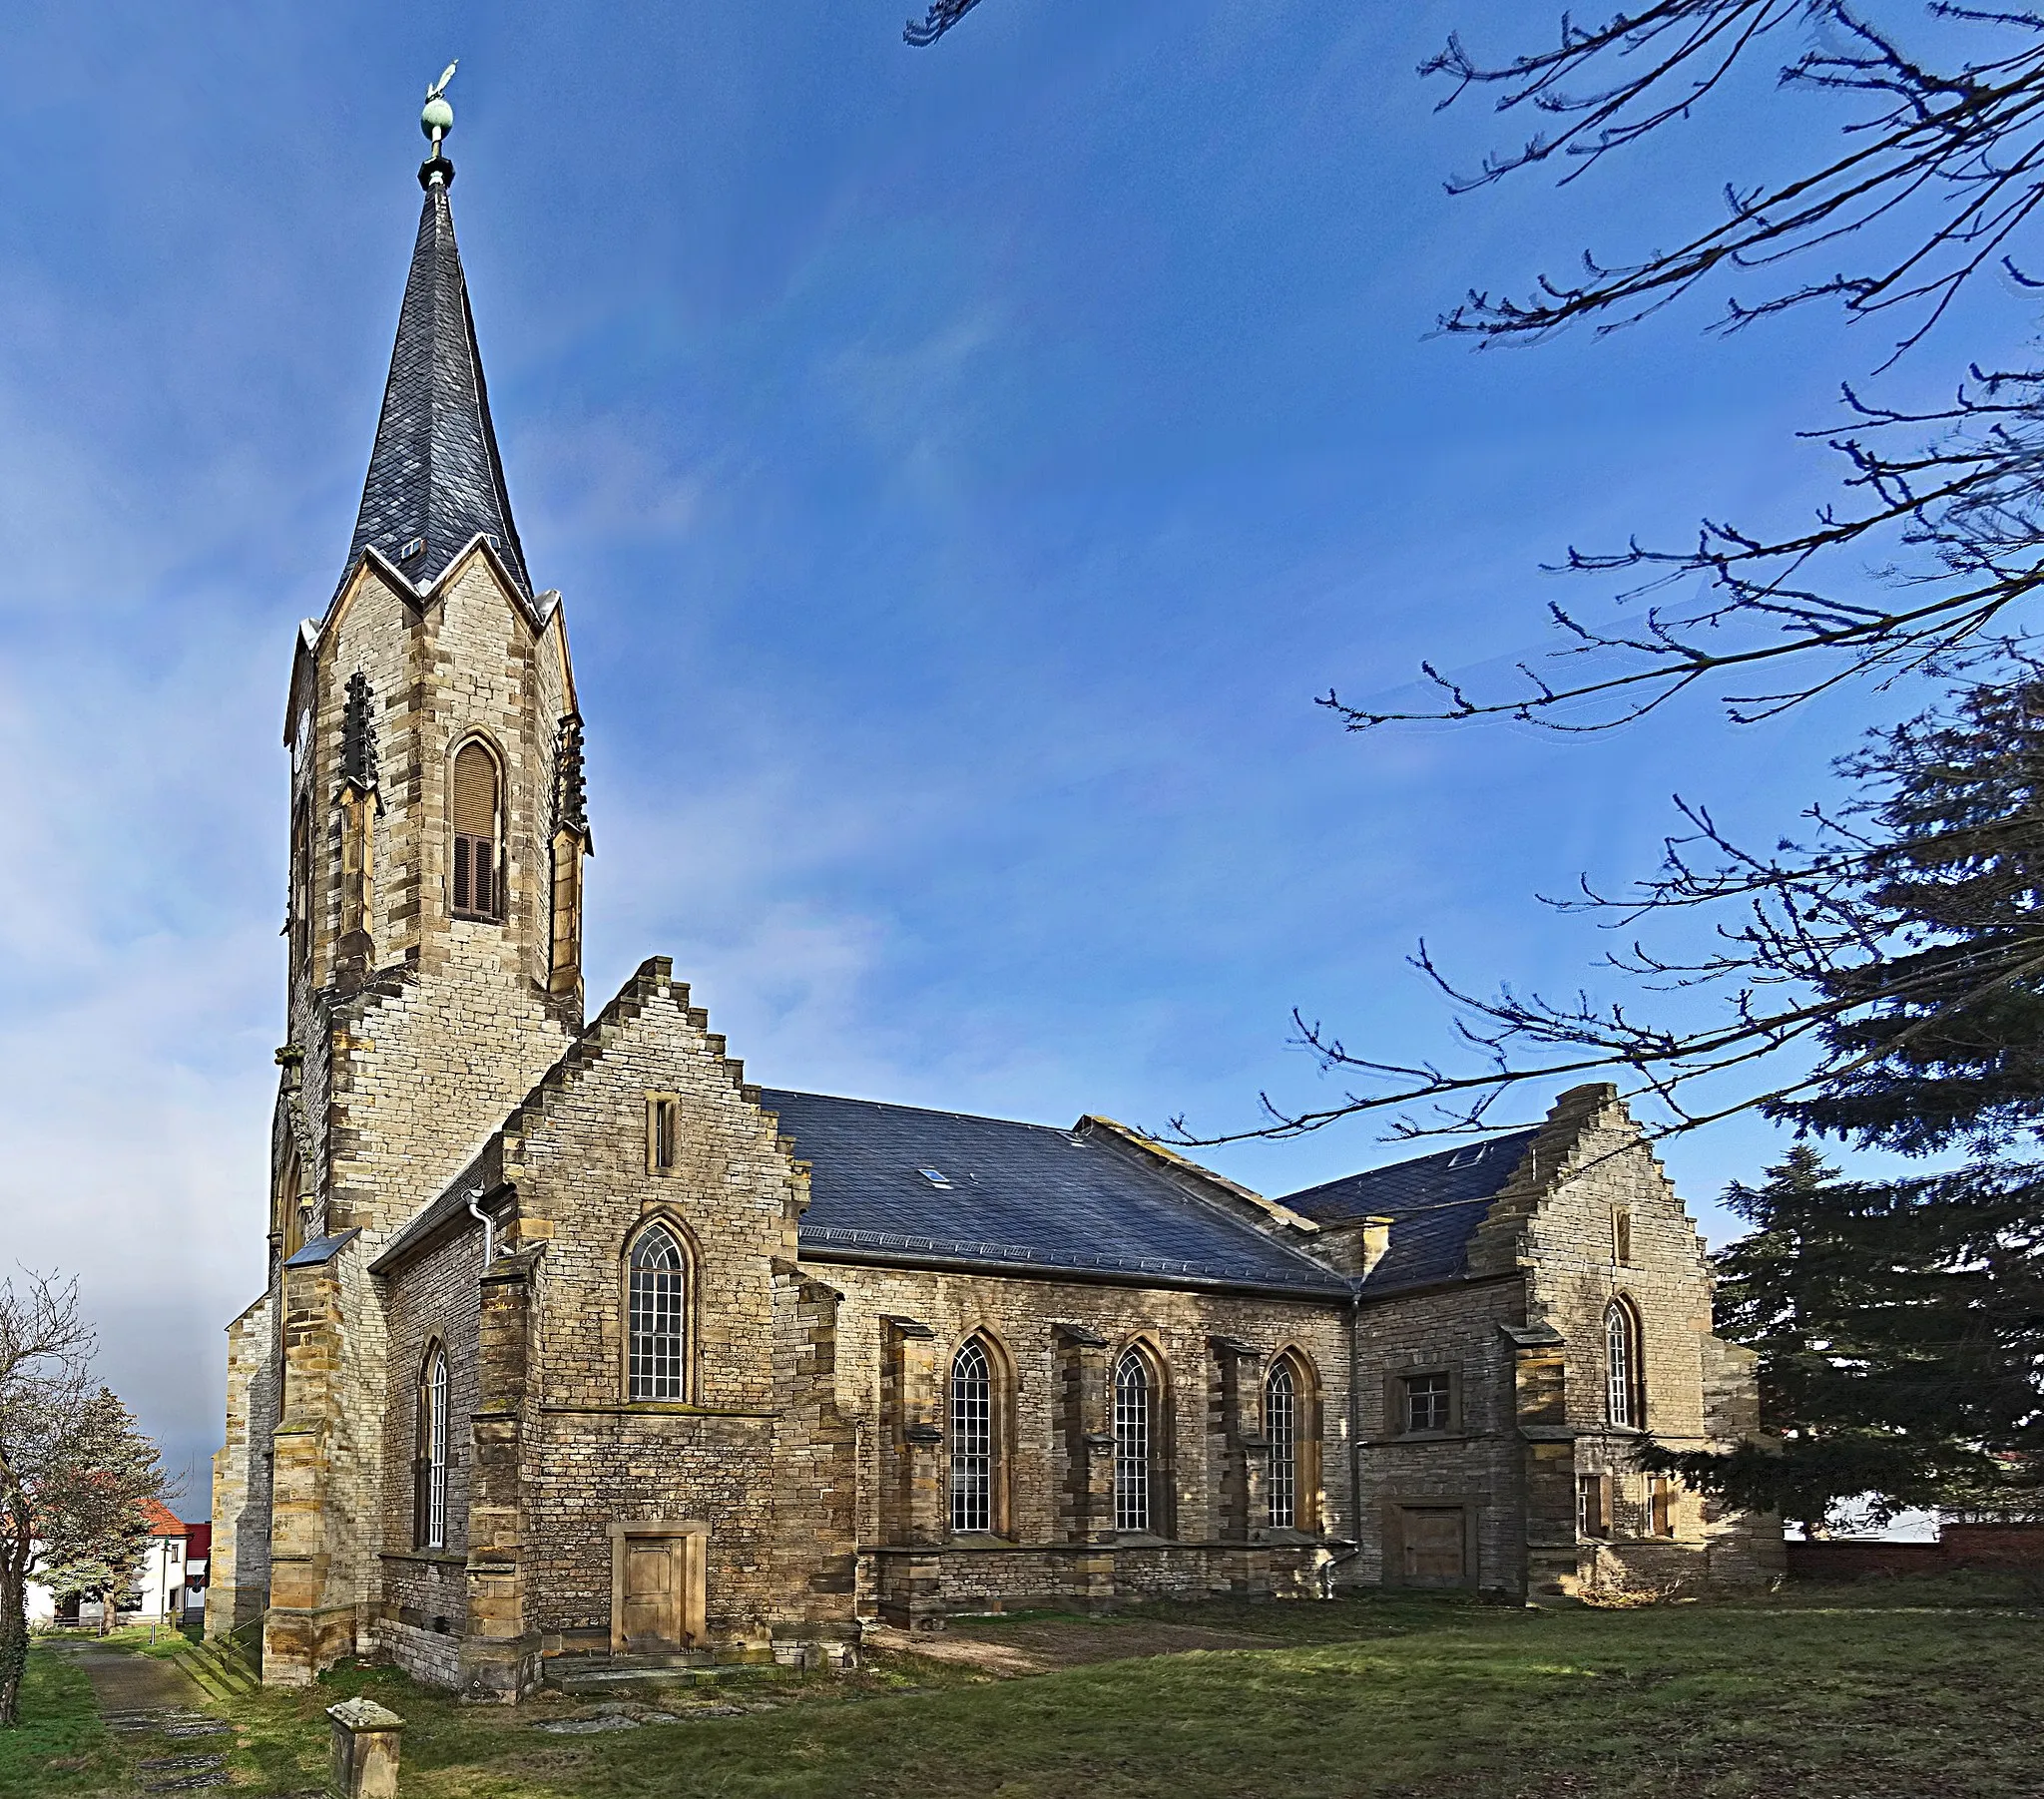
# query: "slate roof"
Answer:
x=1016 y=1195
x=1435 y=1202
x=435 y=476
x=323 y=1249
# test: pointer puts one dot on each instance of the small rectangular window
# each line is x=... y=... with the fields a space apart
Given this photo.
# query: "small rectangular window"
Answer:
x=663 y=1133
x=1429 y=1402
x=1621 y=1236
x=1593 y=1507
x=1660 y=1504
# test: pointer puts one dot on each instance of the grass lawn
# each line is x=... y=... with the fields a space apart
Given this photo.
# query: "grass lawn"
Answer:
x=59 y=1747
x=1912 y=1690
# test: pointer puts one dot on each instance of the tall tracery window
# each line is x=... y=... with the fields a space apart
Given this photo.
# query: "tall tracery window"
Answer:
x=972 y=1440
x=476 y=813
x=1621 y=1387
x=1135 y=1395
x=1280 y=1425
x=429 y=1485
x=658 y=1316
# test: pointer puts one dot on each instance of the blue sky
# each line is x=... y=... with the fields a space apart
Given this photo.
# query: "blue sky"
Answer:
x=963 y=467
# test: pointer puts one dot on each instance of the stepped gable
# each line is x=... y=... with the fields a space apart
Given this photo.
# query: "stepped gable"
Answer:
x=436 y=480
x=1019 y=1197
x=652 y=983
x=1435 y=1204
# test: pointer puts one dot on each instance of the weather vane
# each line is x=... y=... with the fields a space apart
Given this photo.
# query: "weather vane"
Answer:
x=436 y=119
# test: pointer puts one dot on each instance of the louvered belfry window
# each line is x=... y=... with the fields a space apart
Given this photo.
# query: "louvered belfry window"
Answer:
x=972 y=1440
x=657 y=1319
x=476 y=810
x=1132 y=1443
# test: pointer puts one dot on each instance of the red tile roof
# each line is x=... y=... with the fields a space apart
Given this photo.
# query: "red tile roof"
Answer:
x=162 y=1520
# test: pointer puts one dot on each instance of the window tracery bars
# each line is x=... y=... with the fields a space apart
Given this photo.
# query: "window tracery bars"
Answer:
x=972 y=1440
x=474 y=810
x=1132 y=1396
x=1621 y=1366
x=1280 y=1425
x=657 y=1356
x=429 y=1496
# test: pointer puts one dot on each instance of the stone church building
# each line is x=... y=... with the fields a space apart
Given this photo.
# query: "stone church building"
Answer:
x=578 y=1342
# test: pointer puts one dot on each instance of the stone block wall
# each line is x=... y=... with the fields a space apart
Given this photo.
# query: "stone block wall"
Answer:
x=412 y=1051
x=238 y=1569
x=1592 y=1221
x=421 y=1598
x=1477 y=1462
x=1055 y=1343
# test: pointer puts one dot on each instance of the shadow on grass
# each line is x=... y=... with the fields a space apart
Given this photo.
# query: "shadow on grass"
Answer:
x=1890 y=1691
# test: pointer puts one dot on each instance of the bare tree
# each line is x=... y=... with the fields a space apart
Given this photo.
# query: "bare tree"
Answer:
x=942 y=14
x=74 y=1469
x=46 y=1353
x=1925 y=564
x=1937 y=180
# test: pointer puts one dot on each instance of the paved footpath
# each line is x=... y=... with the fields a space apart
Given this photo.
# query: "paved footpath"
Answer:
x=156 y=1701
x=132 y=1683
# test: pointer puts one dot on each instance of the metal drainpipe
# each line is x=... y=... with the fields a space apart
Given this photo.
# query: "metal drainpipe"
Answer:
x=1354 y=1434
x=488 y=1223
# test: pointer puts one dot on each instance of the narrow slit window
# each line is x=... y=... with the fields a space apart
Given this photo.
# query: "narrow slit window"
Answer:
x=1621 y=1236
x=663 y=1133
x=301 y=880
x=477 y=812
x=1132 y=1425
x=972 y=1440
x=1280 y=1425
x=658 y=1316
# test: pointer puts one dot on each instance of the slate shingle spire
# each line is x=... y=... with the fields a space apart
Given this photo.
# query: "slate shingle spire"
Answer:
x=435 y=477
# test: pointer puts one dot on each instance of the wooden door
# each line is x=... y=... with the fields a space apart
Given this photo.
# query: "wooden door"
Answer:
x=655 y=1584
x=1432 y=1545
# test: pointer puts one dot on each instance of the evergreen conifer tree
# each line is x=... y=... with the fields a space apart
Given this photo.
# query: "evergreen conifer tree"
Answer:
x=1900 y=1322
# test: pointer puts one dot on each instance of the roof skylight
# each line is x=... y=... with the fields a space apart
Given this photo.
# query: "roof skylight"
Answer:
x=935 y=1176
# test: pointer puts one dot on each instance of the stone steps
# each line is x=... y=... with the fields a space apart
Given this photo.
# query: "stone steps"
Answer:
x=220 y=1675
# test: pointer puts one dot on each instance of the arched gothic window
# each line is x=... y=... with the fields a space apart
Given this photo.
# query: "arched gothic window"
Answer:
x=429 y=1484
x=1135 y=1408
x=659 y=1358
x=1624 y=1393
x=972 y=1440
x=476 y=811
x=1280 y=1425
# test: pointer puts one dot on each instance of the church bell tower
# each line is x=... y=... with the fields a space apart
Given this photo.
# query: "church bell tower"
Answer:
x=438 y=831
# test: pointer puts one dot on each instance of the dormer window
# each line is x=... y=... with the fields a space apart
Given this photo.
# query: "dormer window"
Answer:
x=477 y=811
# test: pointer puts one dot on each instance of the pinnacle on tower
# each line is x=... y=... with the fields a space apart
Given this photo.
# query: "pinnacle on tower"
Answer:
x=436 y=479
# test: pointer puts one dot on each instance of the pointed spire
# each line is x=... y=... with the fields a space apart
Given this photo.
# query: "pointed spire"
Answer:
x=435 y=476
